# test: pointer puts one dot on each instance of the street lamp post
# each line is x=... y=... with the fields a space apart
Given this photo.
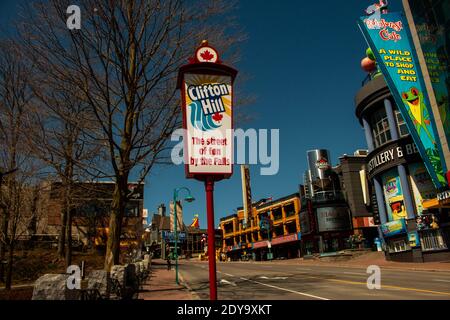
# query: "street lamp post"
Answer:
x=189 y=198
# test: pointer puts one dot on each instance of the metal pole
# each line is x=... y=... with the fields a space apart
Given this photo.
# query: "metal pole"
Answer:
x=269 y=231
x=209 y=188
x=176 y=233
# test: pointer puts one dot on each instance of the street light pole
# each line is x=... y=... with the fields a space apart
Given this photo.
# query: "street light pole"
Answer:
x=175 y=200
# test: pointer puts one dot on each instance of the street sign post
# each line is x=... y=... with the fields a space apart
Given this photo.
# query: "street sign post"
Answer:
x=206 y=87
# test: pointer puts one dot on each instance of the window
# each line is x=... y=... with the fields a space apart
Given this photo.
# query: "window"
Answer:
x=277 y=214
x=401 y=124
x=380 y=128
x=291 y=228
x=228 y=228
x=290 y=210
x=278 y=230
x=432 y=240
x=398 y=246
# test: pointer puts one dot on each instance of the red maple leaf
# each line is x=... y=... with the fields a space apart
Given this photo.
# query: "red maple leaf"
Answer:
x=207 y=55
x=217 y=117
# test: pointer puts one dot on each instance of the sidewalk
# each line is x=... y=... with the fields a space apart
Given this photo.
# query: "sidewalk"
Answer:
x=365 y=260
x=161 y=285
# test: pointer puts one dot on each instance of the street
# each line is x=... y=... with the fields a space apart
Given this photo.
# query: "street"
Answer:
x=288 y=281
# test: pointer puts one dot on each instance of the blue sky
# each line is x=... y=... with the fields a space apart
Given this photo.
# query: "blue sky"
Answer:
x=303 y=58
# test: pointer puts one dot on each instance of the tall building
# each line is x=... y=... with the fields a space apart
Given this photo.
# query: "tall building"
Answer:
x=328 y=216
x=358 y=195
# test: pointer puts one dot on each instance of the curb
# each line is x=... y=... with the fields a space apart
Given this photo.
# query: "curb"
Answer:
x=194 y=295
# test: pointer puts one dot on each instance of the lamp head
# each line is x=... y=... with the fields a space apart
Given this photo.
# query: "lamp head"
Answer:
x=189 y=199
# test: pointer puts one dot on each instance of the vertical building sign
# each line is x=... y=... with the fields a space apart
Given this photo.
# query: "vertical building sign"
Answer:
x=389 y=37
x=432 y=30
x=246 y=193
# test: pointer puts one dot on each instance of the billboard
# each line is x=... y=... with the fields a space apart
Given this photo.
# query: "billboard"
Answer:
x=389 y=37
x=208 y=121
x=394 y=228
x=393 y=195
x=333 y=219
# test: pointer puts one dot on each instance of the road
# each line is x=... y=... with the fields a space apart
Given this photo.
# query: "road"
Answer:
x=277 y=281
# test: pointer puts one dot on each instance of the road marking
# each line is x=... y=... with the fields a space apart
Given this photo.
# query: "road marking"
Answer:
x=284 y=289
x=387 y=286
x=440 y=280
x=274 y=278
x=227 y=274
x=356 y=273
x=228 y=282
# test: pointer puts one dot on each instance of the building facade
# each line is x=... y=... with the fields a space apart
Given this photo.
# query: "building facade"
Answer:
x=91 y=206
x=399 y=178
x=325 y=217
x=273 y=231
x=358 y=195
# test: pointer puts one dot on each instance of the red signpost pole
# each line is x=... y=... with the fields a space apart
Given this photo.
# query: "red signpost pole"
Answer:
x=209 y=187
x=203 y=71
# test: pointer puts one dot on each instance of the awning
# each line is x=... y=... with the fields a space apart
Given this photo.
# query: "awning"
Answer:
x=363 y=222
x=436 y=203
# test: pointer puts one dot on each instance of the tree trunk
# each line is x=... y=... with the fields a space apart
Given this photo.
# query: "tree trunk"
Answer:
x=4 y=230
x=115 y=226
x=68 y=206
x=62 y=231
x=69 y=239
x=9 y=267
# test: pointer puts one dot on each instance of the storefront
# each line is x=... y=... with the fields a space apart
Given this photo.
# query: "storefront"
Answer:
x=283 y=247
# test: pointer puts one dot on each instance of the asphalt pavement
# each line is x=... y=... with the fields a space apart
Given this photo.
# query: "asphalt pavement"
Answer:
x=275 y=281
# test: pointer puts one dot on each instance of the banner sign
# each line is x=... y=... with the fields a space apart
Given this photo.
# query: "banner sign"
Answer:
x=393 y=228
x=389 y=37
x=433 y=33
x=170 y=236
x=394 y=153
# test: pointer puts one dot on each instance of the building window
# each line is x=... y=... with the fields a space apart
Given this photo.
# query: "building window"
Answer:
x=291 y=228
x=289 y=210
x=401 y=124
x=380 y=128
x=432 y=240
x=228 y=228
x=278 y=230
x=277 y=214
x=398 y=246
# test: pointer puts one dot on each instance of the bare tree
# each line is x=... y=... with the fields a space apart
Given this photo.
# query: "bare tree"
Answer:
x=17 y=196
x=56 y=133
x=123 y=63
